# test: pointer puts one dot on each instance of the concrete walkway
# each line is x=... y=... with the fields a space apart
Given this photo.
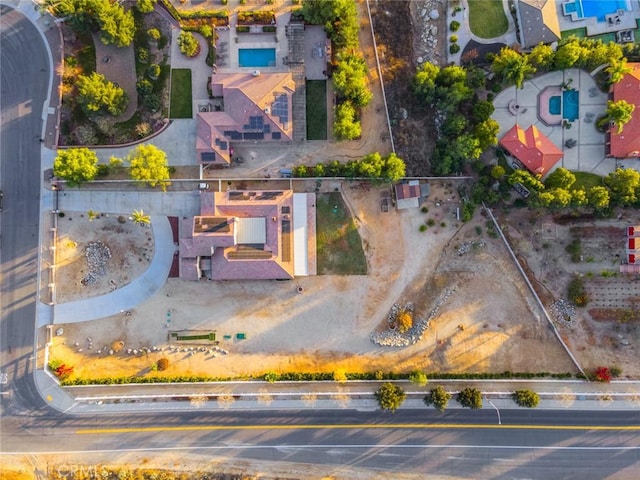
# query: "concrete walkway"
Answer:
x=131 y=295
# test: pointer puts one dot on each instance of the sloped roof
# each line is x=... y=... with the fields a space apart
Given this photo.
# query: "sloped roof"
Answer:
x=534 y=150
x=539 y=22
x=627 y=143
x=209 y=138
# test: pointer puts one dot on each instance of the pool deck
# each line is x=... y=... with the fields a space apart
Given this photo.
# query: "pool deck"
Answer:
x=588 y=154
x=625 y=20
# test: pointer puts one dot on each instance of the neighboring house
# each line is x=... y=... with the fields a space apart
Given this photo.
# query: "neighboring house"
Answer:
x=249 y=235
x=627 y=143
x=531 y=149
x=256 y=107
x=411 y=194
x=632 y=258
x=538 y=21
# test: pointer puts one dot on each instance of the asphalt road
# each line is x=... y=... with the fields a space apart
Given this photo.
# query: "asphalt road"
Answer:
x=24 y=79
x=529 y=444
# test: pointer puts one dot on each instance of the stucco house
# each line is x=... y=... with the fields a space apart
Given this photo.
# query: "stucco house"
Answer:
x=532 y=149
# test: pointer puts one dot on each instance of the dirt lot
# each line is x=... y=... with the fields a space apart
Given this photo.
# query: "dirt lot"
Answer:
x=606 y=331
x=327 y=327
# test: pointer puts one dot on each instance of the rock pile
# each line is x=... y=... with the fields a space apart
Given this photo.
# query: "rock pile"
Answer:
x=466 y=247
x=563 y=312
x=97 y=255
x=426 y=24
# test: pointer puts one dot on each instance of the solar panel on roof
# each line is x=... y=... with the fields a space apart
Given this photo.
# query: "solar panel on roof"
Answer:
x=253 y=135
x=233 y=134
x=223 y=145
x=266 y=128
x=276 y=135
x=217 y=142
x=208 y=157
x=280 y=107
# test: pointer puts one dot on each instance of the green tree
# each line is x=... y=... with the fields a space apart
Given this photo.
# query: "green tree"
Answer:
x=339 y=18
x=370 y=166
x=579 y=197
x=149 y=164
x=454 y=124
x=345 y=125
x=541 y=56
x=394 y=168
x=418 y=377
x=188 y=44
x=350 y=80
x=140 y=218
x=560 y=178
x=98 y=95
x=512 y=66
x=470 y=398
x=438 y=397
x=145 y=6
x=619 y=113
x=390 y=396
x=76 y=165
x=425 y=81
x=481 y=111
x=624 y=184
x=568 y=54
x=523 y=177
x=526 y=398
x=487 y=133
x=598 y=198
x=617 y=69
x=497 y=172
x=92 y=215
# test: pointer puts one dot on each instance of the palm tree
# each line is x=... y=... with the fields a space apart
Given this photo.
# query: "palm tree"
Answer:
x=513 y=66
x=619 y=113
x=617 y=69
x=139 y=217
x=92 y=214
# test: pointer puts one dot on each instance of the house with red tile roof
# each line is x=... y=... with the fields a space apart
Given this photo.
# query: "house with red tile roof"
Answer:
x=256 y=107
x=531 y=149
x=249 y=235
x=411 y=194
x=626 y=144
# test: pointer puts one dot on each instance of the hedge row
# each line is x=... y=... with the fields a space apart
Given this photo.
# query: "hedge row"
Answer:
x=180 y=15
x=313 y=377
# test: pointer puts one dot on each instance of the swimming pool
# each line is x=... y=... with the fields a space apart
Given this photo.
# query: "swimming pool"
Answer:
x=570 y=105
x=594 y=8
x=554 y=105
x=257 y=57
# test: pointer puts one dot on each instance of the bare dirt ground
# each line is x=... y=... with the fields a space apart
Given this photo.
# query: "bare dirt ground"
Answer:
x=327 y=327
x=86 y=268
x=606 y=332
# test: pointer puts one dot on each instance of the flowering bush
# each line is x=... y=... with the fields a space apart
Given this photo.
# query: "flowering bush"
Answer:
x=602 y=374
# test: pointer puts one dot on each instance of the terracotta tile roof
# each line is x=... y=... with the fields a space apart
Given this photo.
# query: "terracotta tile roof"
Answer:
x=405 y=190
x=627 y=143
x=539 y=22
x=535 y=151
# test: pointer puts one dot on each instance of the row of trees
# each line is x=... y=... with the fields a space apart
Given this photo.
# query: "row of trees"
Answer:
x=515 y=67
x=464 y=125
x=389 y=168
x=391 y=397
x=147 y=163
x=340 y=21
x=621 y=188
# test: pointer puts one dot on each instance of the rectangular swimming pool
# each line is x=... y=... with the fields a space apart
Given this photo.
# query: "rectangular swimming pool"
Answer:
x=595 y=8
x=570 y=105
x=257 y=57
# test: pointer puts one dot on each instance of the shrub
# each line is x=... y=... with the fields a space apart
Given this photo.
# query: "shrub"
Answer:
x=526 y=398
x=454 y=26
x=602 y=374
x=103 y=170
x=576 y=292
x=438 y=397
x=339 y=376
x=390 y=396
x=405 y=321
x=423 y=228
x=454 y=48
x=154 y=34
x=424 y=210
x=470 y=398
x=453 y=39
x=153 y=71
x=418 y=377
x=188 y=44
x=378 y=375
x=270 y=377
x=143 y=55
x=615 y=371
x=431 y=222
x=143 y=129
x=163 y=364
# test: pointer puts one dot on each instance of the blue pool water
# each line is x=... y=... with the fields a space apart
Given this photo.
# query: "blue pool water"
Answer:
x=257 y=57
x=554 y=105
x=570 y=105
x=595 y=8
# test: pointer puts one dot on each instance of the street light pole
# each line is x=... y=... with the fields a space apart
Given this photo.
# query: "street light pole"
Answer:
x=497 y=411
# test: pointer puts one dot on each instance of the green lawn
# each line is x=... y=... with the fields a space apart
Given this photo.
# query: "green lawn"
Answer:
x=181 y=98
x=339 y=245
x=586 y=180
x=578 y=32
x=487 y=18
x=316 y=109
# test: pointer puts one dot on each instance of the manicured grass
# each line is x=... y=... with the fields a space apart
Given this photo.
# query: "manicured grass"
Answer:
x=338 y=242
x=487 y=18
x=577 y=32
x=181 y=99
x=316 y=109
x=586 y=180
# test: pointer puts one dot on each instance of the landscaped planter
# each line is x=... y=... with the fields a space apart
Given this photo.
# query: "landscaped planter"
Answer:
x=257 y=18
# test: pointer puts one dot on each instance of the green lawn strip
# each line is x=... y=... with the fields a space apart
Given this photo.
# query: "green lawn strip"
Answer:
x=487 y=18
x=338 y=242
x=316 y=109
x=181 y=98
x=586 y=180
x=578 y=32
